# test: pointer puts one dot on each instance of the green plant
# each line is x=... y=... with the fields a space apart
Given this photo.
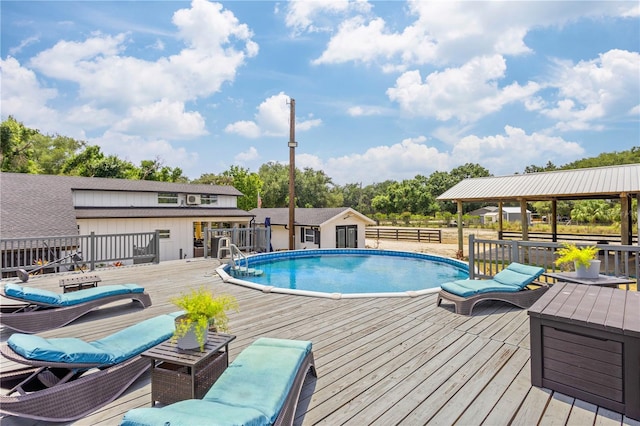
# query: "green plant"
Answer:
x=582 y=256
x=203 y=309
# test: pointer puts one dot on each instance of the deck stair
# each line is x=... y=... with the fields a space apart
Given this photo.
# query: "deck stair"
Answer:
x=240 y=264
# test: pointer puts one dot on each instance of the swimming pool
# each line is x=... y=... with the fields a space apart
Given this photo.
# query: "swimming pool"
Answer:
x=348 y=273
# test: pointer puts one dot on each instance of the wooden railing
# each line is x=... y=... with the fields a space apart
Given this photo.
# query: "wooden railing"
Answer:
x=404 y=234
x=488 y=257
x=546 y=236
x=57 y=254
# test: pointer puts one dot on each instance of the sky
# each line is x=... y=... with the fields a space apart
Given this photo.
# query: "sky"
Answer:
x=383 y=90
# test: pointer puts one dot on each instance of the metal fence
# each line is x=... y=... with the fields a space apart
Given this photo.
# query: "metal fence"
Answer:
x=58 y=254
x=488 y=257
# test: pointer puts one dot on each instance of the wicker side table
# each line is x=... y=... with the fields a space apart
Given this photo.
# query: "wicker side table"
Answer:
x=178 y=374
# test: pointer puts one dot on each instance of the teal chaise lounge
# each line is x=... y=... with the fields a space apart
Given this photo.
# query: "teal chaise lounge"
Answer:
x=41 y=310
x=64 y=379
x=260 y=387
x=508 y=285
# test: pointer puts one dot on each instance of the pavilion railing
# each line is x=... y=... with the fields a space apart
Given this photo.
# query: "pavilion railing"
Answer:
x=488 y=257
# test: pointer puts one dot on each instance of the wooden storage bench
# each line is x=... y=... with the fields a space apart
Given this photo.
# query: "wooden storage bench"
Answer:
x=585 y=343
x=79 y=282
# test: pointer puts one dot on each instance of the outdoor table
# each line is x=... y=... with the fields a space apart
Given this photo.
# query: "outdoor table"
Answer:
x=585 y=343
x=179 y=374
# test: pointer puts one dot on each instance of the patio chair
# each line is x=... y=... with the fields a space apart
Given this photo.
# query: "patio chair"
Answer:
x=512 y=285
x=41 y=310
x=67 y=378
x=260 y=387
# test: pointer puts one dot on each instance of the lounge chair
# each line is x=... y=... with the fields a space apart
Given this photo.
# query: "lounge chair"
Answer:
x=68 y=378
x=260 y=387
x=510 y=285
x=42 y=310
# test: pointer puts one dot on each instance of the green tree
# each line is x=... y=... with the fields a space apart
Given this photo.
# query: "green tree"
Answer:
x=275 y=184
x=154 y=170
x=246 y=182
x=16 y=147
x=51 y=152
x=91 y=162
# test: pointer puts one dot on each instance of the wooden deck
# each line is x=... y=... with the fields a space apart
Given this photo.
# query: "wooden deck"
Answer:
x=380 y=361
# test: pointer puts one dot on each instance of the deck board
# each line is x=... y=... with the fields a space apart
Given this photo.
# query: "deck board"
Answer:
x=380 y=361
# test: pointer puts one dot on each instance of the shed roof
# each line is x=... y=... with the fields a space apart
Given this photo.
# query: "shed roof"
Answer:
x=597 y=182
x=304 y=216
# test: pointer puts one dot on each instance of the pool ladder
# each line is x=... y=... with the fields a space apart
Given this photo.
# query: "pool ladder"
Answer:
x=237 y=259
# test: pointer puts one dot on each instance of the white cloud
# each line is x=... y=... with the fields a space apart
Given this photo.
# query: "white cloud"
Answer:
x=514 y=150
x=466 y=93
x=309 y=15
x=399 y=161
x=591 y=92
x=162 y=119
x=272 y=119
x=361 y=111
x=247 y=156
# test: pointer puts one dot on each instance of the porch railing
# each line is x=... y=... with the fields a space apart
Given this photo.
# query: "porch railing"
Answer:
x=58 y=254
x=254 y=239
x=488 y=257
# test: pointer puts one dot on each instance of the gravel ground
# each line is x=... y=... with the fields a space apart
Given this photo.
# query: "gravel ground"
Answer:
x=447 y=248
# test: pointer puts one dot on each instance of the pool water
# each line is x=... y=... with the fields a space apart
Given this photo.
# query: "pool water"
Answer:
x=357 y=271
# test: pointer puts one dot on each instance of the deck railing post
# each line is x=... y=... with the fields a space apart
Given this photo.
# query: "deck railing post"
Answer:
x=92 y=251
x=472 y=250
x=156 y=239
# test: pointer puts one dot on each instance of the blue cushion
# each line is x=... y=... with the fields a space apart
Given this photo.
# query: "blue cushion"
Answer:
x=57 y=350
x=518 y=275
x=112 y=349
x=39 y=295
x=95 y=293
x=136 y=339
x=195 y=412
x=251 y=391
x=261 y=376
x=466 y=288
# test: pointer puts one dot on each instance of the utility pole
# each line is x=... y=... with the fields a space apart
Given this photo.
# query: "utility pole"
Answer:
x=292 y=174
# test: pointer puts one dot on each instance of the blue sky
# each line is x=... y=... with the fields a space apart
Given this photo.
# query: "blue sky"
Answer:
x=383 y=90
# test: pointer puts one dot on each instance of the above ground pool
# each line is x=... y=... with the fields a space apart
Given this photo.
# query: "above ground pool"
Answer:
x=342 y=273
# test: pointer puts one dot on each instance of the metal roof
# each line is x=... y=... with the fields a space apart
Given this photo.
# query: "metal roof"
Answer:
x=597 y=182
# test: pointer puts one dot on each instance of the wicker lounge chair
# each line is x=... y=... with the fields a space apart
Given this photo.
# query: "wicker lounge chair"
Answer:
x=260 y=387
x=42 y=310
x=67 y=378
x=510 y=285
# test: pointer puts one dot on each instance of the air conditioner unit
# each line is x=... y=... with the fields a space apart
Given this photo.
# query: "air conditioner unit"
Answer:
x=193 y=199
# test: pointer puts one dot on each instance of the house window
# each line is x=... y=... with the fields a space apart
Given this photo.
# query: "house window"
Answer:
x=209 y=199
x=309 y=235
x=167 y=198
x=164 y=233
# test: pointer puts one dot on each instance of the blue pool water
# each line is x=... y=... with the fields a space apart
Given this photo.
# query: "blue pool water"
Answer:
x=349 y=271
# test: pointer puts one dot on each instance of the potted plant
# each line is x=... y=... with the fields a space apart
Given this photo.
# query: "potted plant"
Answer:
x=202 y=310
x=585 y=259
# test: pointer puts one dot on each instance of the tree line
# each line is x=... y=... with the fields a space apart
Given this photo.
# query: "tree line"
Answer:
x=25 y=150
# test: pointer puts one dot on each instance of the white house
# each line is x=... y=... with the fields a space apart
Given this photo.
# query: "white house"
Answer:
x=340 y=227
x=509 y=214
x=52 y=206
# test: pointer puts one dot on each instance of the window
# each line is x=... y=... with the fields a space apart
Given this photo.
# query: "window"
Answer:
x=309 y=235
x=167 y=198
x=209 y=199
x=164 y=233
x=347 y=236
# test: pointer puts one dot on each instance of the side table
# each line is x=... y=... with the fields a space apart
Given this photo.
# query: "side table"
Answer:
x=179 y=374
x=602 y=280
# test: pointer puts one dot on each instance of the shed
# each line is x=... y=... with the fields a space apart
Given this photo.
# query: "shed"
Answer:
x=339 y=227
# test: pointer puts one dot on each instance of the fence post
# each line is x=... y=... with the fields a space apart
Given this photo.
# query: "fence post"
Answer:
x=206 y=242
x=515 y=252
x=471 y=256
x=92 y=250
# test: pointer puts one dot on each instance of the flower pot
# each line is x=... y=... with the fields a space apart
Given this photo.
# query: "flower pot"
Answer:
x=189 y=340
x=591 y=272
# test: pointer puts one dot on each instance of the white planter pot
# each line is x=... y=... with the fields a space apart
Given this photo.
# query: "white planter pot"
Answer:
x=591 y=272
